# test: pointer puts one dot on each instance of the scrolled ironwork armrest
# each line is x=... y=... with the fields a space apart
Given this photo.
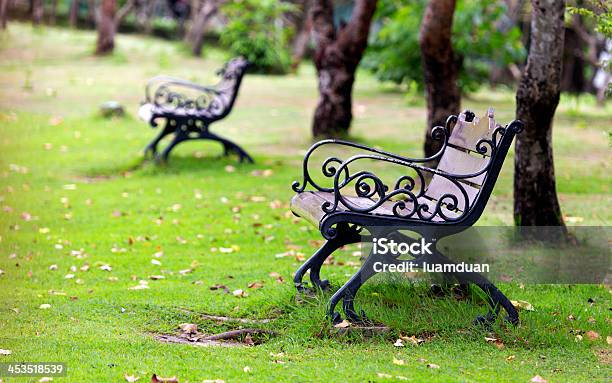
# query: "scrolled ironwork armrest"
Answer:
x=162 y=92
x=405 y=196
x=328 y=166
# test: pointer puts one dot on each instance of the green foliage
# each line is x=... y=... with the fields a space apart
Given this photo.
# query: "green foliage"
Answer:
x=121 y=215
x=255 y=31
x=598 y=10
x=480 y=40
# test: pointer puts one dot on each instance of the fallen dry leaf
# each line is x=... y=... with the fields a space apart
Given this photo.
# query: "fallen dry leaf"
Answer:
x=240 y=293
x=220 y=287
x=412 y=339
x=248 y=340
x=131 y=378
x=609 y=339
x=142 y=285
x=255 y=285
x=592 y=335
x=399 y=362
x=511 y=358
x=190 y=328
x=383 y=375
x=44 y=306
x=538 y=379
x=498 y=343
x=343 y=324
x=522 y=305
x=158 y=379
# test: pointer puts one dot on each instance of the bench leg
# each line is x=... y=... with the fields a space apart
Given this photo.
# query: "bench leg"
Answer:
x=152 y=147
x=179 y=137
x=495 y=298
x=346 y=235
x=348 y=292
x=229 y=146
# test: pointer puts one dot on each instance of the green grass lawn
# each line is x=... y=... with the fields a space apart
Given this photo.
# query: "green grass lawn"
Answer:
x=77 y=198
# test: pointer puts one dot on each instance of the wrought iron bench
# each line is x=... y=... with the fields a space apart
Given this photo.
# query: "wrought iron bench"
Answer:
x=188 y=109
x=433 y=202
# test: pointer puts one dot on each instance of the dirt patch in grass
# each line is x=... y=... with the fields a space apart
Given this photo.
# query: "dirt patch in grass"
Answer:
x=604 y=355
x=198 y=343
x=233 y=338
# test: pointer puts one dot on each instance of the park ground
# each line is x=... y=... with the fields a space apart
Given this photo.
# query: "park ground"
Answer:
x=83 y=217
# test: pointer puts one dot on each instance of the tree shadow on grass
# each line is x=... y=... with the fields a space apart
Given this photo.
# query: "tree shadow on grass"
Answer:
x=176 y=164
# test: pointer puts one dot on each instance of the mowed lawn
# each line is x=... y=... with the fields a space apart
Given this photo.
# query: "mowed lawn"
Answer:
x=84 y=220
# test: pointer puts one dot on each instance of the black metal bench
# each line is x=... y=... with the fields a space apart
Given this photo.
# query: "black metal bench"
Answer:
x=188 y=109
x=433 y=202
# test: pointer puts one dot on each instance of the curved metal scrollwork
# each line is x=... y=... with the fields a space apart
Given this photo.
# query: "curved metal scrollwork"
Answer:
x=170 y=94
x=328 y=167
x=407 y=198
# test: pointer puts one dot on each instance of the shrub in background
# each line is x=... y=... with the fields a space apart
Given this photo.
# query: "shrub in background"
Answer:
x=481 y=38
x=256 y=31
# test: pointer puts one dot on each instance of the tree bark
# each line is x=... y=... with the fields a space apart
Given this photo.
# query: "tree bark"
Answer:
x=108 y=24
x=337 y=56
x=3 y=13
x=199 y=23
x=92 y=14
x=106 y=27
x=38 y=11
x=53 y=15
x=73 y=17
x=302 y=22
x=535 y=195
x=440 y=68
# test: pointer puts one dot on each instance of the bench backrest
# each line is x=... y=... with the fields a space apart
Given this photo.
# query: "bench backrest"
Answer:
x=179 y=97
x=231 y=77
x=470 y=164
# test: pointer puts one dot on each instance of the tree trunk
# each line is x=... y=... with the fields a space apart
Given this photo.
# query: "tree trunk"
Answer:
x=302 y=22
x=106 y=27
x=199 y=23
x=3 y=13
x=573 y=79
x=535 y=195
x=149 y=15
x=336 y=58
x=92 y=14
x=53 y=14
x=440 y=68
x=38 y=11
x=73 y=17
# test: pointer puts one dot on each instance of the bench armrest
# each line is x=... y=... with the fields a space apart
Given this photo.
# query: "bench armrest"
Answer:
x=328 y=166
x=159 y=91
x=405 y=197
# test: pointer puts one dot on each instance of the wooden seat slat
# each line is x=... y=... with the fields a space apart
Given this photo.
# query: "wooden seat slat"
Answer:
x=466 y=134
x=454 y=161
x=439 y=186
